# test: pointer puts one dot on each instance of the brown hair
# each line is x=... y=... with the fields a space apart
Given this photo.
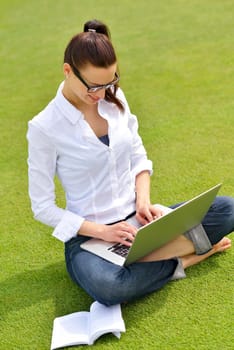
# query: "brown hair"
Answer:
x=93 y=46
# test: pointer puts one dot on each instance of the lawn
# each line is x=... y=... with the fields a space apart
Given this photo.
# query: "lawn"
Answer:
x=176 y=60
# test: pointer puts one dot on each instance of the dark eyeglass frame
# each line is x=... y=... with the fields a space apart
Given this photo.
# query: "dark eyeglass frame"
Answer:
x=93 y=89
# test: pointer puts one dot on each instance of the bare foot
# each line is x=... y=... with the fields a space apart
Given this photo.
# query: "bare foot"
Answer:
x=219 y=247
x=222 y=245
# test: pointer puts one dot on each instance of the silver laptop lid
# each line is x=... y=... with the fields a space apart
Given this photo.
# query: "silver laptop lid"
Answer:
x=171 y=225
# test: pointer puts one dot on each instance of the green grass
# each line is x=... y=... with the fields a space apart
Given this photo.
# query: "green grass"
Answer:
x=176 y=62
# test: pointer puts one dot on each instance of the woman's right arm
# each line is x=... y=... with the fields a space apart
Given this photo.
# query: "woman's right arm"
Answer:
x=42 y=159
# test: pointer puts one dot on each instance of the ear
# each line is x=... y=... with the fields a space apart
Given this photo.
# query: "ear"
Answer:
x=66 y=69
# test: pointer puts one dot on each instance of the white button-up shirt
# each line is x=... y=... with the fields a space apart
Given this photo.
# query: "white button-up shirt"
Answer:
x=99 y=181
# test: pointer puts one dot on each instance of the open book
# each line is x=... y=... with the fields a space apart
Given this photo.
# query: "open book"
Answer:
x=85 y=327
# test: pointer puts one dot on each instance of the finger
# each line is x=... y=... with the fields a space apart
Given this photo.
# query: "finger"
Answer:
x=149 y=217
x=126 y=242
x=129 y=228
x=127 y=238
x=157 y=216
x=142 y=220
x=157 y=213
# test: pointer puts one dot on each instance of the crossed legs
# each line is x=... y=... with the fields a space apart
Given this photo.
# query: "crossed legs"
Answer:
x=218 y=222
x=184 y=249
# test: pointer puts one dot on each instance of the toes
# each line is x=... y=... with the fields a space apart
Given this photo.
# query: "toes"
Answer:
x=224 y=244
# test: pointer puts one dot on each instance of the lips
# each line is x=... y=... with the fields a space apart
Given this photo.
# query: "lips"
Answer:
x=94 y=99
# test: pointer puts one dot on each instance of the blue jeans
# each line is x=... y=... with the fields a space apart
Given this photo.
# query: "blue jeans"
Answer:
x=112 y=284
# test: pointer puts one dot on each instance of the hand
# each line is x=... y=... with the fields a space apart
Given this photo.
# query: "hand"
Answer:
x=122 y=232
x=147 y=213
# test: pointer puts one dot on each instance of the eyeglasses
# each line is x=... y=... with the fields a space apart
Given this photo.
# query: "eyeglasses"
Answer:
x=97 y=87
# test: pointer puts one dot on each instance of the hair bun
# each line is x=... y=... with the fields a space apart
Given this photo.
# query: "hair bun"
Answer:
x=96 y=26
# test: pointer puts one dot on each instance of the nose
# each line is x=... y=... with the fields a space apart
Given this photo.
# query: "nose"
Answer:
x=100 y=93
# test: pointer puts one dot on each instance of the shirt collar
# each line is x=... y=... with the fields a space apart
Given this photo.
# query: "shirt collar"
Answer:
x=73 y=114
x=69 y=111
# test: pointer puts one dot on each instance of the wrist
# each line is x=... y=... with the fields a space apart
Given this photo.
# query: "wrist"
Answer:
x=142 y=199
x=143 y=187
x=92 y=229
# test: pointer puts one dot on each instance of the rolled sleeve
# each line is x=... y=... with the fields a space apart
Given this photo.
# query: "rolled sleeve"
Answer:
x=146 y=164
x=68 y=227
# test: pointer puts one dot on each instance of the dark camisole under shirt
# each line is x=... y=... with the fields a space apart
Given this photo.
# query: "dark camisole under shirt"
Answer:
x=105 y=139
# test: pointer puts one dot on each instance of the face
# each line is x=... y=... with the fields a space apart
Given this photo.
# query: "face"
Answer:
x=76 y=86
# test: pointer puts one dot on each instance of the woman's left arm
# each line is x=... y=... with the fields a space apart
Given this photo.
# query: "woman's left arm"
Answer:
x=145 y=211
x=141 y=168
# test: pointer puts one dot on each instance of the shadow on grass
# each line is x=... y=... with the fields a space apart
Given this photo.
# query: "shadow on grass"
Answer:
x=53 y=283
x=37 y=285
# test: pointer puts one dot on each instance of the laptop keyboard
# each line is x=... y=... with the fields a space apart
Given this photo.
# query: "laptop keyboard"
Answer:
x=119 y=249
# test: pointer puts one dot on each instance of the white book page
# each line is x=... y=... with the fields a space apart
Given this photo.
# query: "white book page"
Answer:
x=105 y=319
x=71 y=330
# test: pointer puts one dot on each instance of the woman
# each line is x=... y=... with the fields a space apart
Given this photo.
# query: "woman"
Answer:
x=88 y=137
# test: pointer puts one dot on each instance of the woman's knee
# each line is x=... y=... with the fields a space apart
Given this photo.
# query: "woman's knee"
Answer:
x=224 y=207
x=108 y=288
x=103 y=283
x=219 y=221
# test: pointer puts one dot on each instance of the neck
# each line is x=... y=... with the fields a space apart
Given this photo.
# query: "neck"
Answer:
x=74 y=100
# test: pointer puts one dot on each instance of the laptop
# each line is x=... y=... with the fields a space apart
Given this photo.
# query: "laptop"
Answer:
x=154 y=235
